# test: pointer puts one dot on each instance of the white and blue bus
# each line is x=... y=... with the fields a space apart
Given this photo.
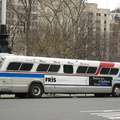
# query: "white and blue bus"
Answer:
x=28 y=76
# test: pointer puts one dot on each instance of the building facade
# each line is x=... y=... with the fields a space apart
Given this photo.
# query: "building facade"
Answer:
x=21 y=18
x=100 y=19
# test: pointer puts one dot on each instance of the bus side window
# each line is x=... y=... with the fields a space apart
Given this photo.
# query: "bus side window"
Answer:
x=105 y=71
x=82 y=69
x=114 y=71
x=68 y=68
x=91 y=70
x=54 y=68
x=26 y=67
x=13 y=66
x=43 y=67
x=109 y=71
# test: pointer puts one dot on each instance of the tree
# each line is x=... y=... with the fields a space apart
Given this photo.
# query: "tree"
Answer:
x=62 y=20
x=25 y=14
x=64 y=29
x=115 y=36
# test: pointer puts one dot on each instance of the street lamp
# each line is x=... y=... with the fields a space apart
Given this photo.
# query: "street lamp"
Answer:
x=3 y=31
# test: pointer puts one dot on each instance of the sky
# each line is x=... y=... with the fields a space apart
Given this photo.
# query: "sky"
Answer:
x=107 y=4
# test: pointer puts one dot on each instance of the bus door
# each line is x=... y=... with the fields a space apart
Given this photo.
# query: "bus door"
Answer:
x=5 y=84
x=5 y=80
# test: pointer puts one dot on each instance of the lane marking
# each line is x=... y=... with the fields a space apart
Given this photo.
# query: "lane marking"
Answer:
x=114 y=118
x=110 y=114
x=112 y=100
x=101 y=111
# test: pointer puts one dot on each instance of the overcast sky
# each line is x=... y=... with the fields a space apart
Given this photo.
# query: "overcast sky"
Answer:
x=109 y=4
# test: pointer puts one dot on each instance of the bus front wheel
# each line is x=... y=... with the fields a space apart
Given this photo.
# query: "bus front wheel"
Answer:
x=35 y=91
x=116 y=91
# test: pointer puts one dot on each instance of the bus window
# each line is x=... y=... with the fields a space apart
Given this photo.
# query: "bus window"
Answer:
x=13 y=66
x=114 y=71
x=68 y=69
x=26 y=67
x=43 y=67
x=91 y=70
x=54 y=68
x=82 y=69
x=105 y=71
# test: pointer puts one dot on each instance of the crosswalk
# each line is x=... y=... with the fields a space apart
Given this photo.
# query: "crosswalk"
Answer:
x=110 y=114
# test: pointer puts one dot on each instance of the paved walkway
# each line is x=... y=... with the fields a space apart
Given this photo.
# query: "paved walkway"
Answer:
x=50 y=95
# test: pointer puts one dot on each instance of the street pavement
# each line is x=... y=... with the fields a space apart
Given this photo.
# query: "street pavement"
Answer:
x=60 y=107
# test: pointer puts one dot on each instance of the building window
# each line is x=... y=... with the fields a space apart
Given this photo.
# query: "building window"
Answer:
x=105 y=15
x=98 y=14
x=97 y=28
x=90 y=13
x=98 y=21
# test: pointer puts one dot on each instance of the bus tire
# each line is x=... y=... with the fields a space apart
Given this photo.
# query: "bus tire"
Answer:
x=116 y=91
x=35 y=91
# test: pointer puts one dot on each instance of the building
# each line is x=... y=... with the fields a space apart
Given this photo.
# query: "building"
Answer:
x=98 y=23
x=19 y=16
x=115 y=35
x=114 y=20
x=101 y=17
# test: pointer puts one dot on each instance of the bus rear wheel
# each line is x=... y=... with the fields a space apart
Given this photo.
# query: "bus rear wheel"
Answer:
x=116 y=91
x=35 y=91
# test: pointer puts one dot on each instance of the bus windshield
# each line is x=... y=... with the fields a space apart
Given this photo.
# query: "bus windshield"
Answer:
x=1 y=61
x=0 y=64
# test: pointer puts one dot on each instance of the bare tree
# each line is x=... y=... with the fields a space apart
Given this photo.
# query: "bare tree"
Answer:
x=25 y=15
x=63 y=23
x=115 y=38
x=64 y=29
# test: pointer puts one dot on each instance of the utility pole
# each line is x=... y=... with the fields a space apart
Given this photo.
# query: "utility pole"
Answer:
x=3 y=31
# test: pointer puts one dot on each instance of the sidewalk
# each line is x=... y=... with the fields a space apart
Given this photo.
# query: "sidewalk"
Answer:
x=52 y=95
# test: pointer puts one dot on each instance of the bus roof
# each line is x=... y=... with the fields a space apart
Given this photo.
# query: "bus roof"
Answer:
x=20 y=58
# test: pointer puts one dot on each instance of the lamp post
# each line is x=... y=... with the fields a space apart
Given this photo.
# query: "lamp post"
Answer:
x=3 y=31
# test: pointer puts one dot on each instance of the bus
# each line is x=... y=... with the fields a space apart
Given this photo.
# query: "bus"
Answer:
x=29 y=76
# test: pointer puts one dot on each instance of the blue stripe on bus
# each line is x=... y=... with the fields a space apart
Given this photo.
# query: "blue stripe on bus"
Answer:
x=33 y=75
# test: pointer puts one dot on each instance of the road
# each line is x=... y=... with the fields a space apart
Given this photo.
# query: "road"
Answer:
x=60 y=108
